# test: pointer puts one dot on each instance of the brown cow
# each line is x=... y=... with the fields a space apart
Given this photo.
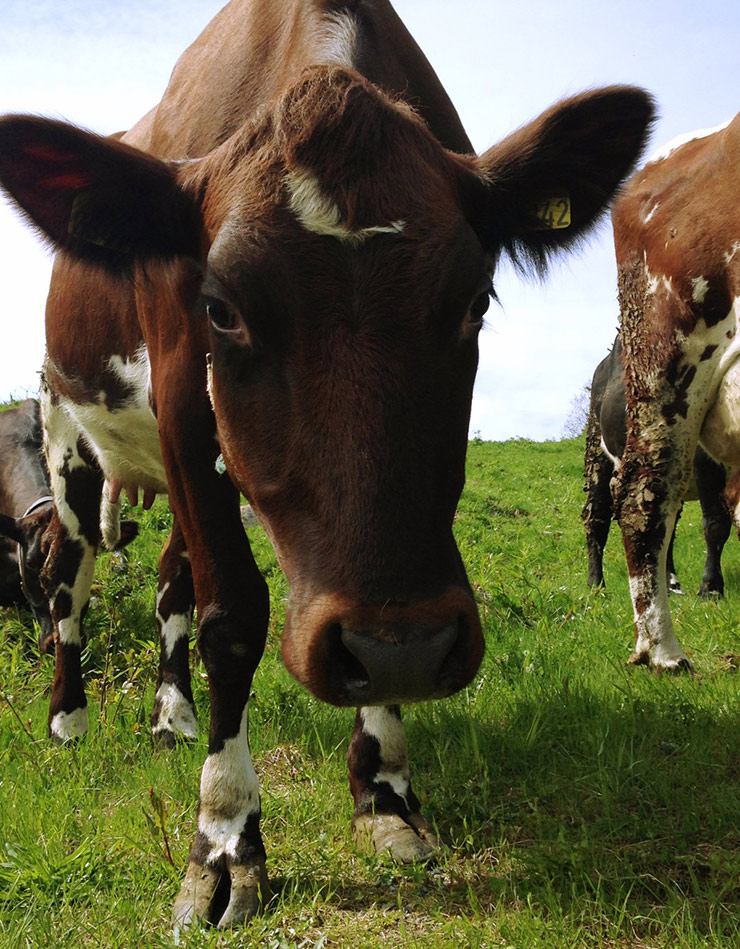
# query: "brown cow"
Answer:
x=275 y=283
x=677 y=238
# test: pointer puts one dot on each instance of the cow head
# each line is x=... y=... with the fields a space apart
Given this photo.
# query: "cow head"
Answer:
x=347 y=262
x=28 y=533
x=31 y=535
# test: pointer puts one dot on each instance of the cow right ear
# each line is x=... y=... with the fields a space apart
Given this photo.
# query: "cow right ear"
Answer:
x=96 y=198
x=545 y=186
x=9 y=528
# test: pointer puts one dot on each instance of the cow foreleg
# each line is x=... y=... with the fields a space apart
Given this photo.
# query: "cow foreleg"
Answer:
x=228 y=845
x=227 y=858
x=386 y=813
x=647 y=510
x=70 y=562
x=174 y=712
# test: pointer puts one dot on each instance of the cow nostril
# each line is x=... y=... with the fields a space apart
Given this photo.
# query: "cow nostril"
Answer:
x=347 y=668
x=452 y=668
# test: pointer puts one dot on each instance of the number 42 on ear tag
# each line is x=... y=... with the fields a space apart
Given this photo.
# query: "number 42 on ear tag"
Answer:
x=554 y=213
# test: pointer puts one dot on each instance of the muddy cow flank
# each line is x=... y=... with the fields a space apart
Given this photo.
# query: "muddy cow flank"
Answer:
x=677 y=239
x=280 y=274
x=25 y=524
x=606 y=433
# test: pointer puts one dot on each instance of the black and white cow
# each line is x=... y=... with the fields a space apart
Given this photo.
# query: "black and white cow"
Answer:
x=27 y=506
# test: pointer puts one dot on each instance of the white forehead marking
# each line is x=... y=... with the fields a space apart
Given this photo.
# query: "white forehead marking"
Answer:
x=680 y=140
x=319 y=214
x=699 y=287
x=339 y=39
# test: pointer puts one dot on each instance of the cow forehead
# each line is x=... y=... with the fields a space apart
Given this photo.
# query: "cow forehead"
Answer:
x=345 y=161
x=314 y=264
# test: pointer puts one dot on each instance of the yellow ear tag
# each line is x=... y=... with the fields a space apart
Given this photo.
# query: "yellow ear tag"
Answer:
x=553 y=213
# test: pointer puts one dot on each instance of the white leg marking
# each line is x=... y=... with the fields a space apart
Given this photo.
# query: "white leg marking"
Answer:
x=654 y=626
x=175 y=712
x=69 y=725
x=229 y=793
x=176 y=627
x=387 y=728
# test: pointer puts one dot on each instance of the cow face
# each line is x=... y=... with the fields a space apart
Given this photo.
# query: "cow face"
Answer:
x=347 y=262
x=28 y=534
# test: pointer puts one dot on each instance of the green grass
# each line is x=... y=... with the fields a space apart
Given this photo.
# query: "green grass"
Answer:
x=585 y=803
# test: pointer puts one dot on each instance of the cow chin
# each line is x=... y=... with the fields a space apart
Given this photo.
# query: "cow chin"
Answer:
x=350 y=653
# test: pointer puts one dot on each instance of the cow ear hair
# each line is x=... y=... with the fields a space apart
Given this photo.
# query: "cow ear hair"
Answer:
x=546 y=185
x=9 y=528
x=96 y=198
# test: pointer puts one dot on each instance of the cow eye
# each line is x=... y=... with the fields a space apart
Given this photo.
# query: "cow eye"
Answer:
x=478 y=309
x=222 y=316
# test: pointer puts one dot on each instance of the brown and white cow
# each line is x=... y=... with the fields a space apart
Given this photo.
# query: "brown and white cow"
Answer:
x=25 y=525
x=274 y=284
x=606 y=434
x=677 y=238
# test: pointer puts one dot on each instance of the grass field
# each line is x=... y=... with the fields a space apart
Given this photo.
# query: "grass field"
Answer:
x=585 y=803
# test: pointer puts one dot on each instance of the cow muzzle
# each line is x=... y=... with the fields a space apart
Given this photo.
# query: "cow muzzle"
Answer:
x=349 y=653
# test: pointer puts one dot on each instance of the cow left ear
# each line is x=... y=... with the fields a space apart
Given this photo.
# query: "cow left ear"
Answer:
x=96 y=198
x=544 y=186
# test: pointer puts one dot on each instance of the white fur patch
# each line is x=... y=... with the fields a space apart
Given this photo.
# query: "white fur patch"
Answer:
x=699 y=287
x=613 y=458
x=730 y=255
x=124 y=440
x=318 y=213
x=229 y=793
x=387 y=729
x=69 y=725
x=720 y=433
x=175 y=628
x=338 y=40
x=175 y=712
x=665 y=150
x=651 y=212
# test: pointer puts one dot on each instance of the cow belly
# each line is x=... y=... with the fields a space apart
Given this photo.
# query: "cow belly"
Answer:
x=720 y=434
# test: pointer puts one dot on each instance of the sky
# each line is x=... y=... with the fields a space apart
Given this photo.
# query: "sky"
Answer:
x=103 y=64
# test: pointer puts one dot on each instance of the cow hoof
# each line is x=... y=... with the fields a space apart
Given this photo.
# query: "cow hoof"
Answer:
x=408 y=841
x=249 y=889
x=706 y=593
x=676 y=666
x=165 y=739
